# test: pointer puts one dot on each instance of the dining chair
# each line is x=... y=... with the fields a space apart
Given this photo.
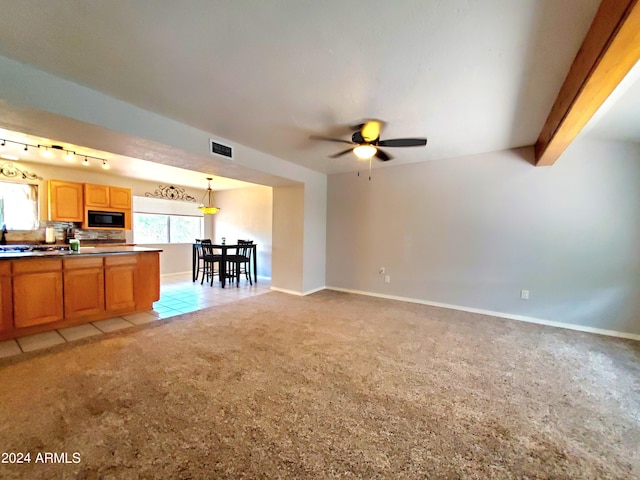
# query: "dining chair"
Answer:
x=200 y=256
x=209 y=259
x=241 y=262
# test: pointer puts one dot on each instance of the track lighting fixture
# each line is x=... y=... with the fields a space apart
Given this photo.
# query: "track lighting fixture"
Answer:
x=49 y=151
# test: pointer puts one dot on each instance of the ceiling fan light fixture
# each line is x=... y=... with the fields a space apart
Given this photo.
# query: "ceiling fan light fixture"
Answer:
x=365 y=152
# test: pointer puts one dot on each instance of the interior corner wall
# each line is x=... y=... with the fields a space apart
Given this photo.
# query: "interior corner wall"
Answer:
x=246 y=213
x=473 y=232
x=315 y=236
x=288 y=236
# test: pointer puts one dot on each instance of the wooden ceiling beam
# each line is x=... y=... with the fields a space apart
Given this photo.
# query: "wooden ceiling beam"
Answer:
x=610 y=49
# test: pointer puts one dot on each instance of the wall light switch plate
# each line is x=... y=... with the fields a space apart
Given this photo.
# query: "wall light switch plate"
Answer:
x=524 y=294
x=387 y=279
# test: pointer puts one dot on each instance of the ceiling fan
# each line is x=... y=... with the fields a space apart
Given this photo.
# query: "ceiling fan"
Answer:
x=366 y=139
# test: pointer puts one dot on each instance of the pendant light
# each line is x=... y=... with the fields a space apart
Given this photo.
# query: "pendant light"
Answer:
x=208 y=208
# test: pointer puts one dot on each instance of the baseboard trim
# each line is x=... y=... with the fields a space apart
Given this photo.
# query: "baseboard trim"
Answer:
x=174 y=273
x=319 y=289
x=295 y=292
x=284 y=290
x=509 y=316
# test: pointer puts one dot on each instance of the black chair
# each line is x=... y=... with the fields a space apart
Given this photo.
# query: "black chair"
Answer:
x=241 y=262
x=200 y=256
x=209 y=260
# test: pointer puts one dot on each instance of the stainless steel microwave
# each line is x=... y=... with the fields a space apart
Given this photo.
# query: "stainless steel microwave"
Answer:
x=100 y=219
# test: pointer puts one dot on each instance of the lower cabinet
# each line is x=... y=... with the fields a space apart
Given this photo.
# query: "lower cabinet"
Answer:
x=83 y=287
x=148 y=280
x=6 y=302
x=120 y=282
x=37 y=292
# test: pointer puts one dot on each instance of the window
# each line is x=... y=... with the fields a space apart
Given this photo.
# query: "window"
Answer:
x=19 y=206
x=157 y=228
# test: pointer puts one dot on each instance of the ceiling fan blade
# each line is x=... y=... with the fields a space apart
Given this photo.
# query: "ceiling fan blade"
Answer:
x=339 y=140
x=371 y=130
x=385 y=157
x=404 y=142
x=336 y=155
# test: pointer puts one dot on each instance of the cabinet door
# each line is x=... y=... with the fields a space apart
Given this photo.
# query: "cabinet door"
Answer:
x=148 y=287
x=83 y=292
x=120 y=197
x=37 y=298
x=120 y=287
x=6 y=304
x=65 y=201
x=96 y=195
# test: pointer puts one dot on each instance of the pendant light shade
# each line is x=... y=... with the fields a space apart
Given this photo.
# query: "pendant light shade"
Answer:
x=209 y=207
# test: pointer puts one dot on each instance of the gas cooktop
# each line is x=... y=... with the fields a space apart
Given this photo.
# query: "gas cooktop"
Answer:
x=33 y=248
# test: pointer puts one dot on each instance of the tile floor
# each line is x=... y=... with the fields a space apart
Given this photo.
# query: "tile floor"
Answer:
x=178 y=295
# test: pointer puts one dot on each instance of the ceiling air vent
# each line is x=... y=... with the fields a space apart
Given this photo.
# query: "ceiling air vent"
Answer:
x=219 y=149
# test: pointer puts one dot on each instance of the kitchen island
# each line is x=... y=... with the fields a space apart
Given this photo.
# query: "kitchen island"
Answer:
x=45 y=290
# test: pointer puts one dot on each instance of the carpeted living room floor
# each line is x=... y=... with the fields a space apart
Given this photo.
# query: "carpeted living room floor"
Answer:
x=332 y=385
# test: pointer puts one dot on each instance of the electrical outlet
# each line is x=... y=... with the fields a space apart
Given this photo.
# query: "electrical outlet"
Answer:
x=381 y=271
x=387 y=279
x=524 y=294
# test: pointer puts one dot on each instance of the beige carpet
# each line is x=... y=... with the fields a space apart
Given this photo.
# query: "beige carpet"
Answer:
x=332 y=385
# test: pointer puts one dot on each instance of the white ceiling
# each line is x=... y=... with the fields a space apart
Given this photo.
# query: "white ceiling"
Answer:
x=472 y=76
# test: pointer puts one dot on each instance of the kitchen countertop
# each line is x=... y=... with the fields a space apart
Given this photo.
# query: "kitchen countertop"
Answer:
x=84 y=251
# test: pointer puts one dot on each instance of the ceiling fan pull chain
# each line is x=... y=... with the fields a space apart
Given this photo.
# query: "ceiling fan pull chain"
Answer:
x=370 y=168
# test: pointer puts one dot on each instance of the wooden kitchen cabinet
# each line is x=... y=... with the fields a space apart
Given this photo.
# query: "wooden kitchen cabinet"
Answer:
x=96 y=195
x=120 y=282
x=41 y=293
x=83 y=287
x=65 y=201
x=120 y=197
x=6 y=302
x=148 y=280
x=108 y=199
x=106 y=196
x=37 y=292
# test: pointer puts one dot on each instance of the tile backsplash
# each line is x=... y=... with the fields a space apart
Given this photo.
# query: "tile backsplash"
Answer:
x=85 y=236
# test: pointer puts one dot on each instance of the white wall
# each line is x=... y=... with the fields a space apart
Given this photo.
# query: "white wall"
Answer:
x=474 y=231
x=288 y=224
x=246 y=213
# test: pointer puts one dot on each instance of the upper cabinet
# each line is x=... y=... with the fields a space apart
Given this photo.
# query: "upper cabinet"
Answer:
x=120 y=197
x=106 y=196
x=96 y=195
x=65 y=201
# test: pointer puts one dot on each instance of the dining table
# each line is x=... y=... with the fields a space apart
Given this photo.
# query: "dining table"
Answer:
x=223 y=260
